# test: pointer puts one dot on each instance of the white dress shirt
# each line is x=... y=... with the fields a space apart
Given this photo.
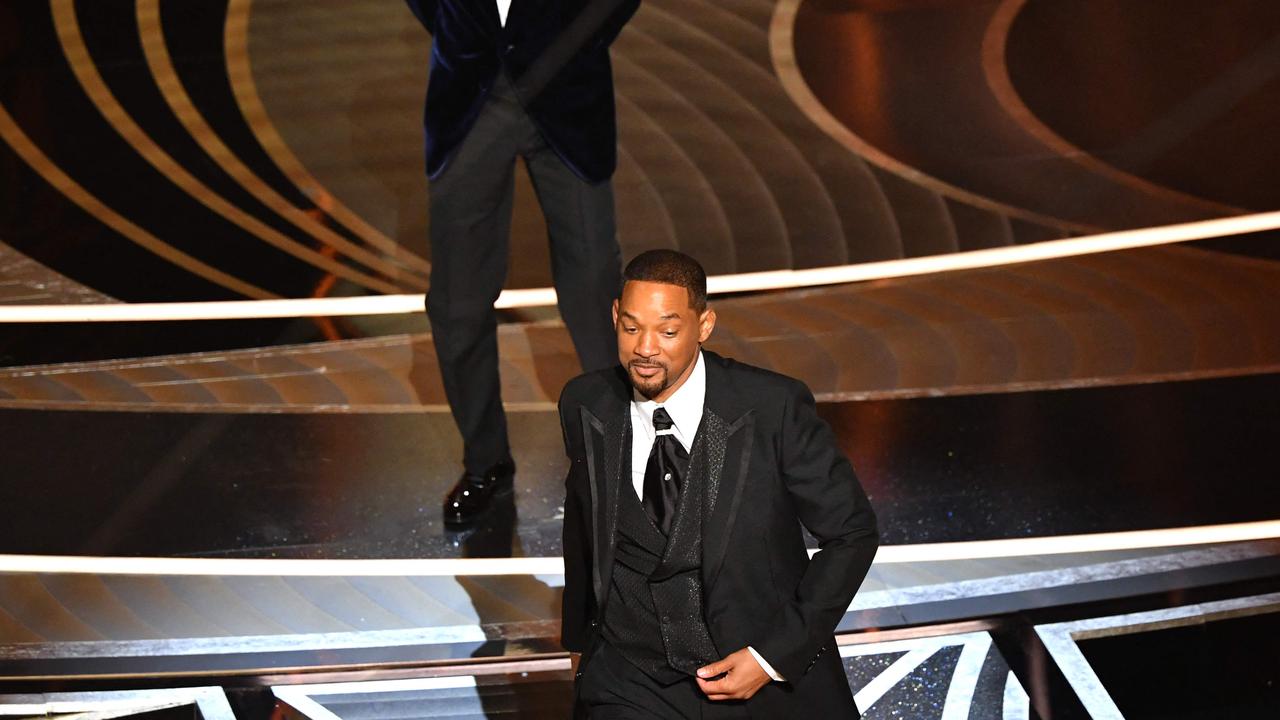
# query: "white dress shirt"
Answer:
x=685 y=408
x=504 y=6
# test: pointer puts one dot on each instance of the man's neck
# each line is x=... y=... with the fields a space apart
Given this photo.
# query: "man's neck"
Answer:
x=671 y=390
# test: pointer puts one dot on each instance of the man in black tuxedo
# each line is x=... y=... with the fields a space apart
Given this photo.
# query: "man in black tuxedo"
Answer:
x=688 y=589
x=482 y=112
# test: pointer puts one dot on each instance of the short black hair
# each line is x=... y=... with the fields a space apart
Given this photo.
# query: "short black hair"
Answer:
x=670 y=267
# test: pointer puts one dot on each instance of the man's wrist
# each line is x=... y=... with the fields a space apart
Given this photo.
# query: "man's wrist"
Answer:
x=765 y=666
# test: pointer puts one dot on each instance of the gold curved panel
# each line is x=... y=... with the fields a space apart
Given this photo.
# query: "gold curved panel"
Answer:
x=72 y=41
x=175 y=94
x=240 y=75
x=52 y=174
x=781 y=42
x=996 y=70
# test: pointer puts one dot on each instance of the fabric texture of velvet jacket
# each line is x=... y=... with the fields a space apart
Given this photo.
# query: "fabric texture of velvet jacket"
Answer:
x=470 y=46
x=780 y=467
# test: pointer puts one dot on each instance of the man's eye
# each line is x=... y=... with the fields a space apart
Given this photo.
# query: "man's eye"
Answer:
x=628 y=329
x=669 y=333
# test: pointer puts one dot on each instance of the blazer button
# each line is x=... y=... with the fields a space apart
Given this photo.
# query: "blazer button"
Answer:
x=510 y=47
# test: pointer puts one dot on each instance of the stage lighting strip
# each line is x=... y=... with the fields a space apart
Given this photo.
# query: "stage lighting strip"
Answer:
x=302 y=697
x=744 y=282
x=210 y=704
x=456 y=567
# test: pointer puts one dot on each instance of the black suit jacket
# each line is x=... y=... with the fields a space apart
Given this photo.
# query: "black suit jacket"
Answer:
x=470 y=45
x=781 y=467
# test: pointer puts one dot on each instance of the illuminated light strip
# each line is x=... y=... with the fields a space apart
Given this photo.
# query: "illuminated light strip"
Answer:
x=995 y=257
x=210 y=701
x=1092 y=542
x=743 y=282
x=231 y=309
x=453 y=567
x=360 y=687
x=299 y=697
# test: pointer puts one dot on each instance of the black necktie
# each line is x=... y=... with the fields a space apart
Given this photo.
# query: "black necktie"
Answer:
x=662 y=479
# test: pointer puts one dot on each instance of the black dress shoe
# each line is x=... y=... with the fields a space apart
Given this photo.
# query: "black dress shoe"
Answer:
x=472 y=495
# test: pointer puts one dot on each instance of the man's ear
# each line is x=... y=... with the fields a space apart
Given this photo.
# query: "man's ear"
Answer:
x=706 y=324
x=615 y=313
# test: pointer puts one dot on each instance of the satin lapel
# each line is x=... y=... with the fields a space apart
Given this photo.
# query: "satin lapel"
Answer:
x=730 y=429
x=605 y=441
x=483 y=12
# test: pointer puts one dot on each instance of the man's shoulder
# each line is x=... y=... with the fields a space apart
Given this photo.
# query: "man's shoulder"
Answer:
x=591 y=386
x=748 y=378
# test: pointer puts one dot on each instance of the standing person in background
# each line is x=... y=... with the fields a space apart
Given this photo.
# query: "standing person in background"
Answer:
x=688 y=590
x=479 y=118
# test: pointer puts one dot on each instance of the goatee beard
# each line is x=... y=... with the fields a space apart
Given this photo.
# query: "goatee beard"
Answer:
x=652 y=388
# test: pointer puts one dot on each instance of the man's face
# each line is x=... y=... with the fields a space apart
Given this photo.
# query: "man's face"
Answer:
x=658 y=336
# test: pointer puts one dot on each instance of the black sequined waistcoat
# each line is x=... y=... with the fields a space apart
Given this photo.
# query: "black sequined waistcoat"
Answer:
x=654 y=612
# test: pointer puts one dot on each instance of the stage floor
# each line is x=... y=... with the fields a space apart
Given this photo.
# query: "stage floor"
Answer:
x=1071 y=457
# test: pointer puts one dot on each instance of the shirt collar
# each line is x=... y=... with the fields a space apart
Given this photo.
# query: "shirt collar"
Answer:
x=685 y=404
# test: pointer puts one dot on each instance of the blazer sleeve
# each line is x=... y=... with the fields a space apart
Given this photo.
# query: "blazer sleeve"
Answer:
x=831 y=503
x=425 y=11
x=577 y=602
x=612 y=27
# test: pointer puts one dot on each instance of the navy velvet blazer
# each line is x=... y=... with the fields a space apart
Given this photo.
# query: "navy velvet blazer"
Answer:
x=470 y=45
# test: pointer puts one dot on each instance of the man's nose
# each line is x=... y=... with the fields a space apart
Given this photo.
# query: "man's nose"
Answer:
x=646 y=345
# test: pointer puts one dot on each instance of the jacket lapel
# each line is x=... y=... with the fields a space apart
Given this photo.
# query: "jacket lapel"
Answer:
x=729 y=428
x=686 y=526
x=606 y=430
x=483 y=12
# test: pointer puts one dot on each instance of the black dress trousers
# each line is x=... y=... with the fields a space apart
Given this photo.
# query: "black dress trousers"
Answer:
x=611 y=688
x=471 y=205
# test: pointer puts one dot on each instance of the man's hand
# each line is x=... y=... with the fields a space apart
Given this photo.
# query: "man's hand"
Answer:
x=743 y=676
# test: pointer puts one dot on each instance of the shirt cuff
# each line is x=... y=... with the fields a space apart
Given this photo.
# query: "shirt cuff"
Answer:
x=768 y=669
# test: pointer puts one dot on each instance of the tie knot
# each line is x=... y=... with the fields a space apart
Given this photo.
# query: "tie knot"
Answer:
x=661 y=420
